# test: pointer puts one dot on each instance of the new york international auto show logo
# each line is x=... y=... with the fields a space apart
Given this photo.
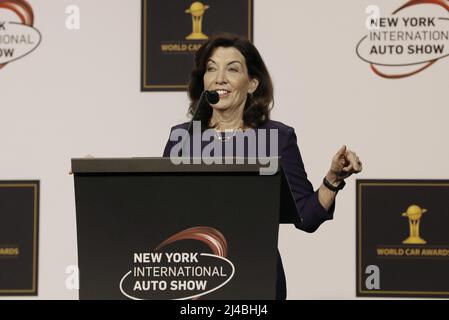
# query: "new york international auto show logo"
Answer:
x=18 y=37
x=409 y=40
x=174 y=271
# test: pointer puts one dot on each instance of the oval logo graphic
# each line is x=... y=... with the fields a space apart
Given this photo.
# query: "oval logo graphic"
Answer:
x=18 y=37
x=18 y=41
x=409 y=40
x=180 y=271
x=178 y=281
x=407 y=53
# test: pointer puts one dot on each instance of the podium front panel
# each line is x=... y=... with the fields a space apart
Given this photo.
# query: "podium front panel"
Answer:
x=230 y=220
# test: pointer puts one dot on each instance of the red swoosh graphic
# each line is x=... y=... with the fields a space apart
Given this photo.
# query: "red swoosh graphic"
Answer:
x=22 y=9
x=402 y=75
x=213 y=238
x=441 y=3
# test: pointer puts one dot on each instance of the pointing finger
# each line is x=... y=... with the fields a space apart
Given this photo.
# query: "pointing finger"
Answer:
x=341 y=151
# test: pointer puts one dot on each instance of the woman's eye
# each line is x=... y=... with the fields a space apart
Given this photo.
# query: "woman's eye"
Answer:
x=233 y=69
x=210 y=69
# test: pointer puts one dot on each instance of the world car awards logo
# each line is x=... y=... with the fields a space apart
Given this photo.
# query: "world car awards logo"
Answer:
x=409 y=40
x=180 y=274
x=414 y=244
x=18 y=37
x=197 y=10
x=414 y=214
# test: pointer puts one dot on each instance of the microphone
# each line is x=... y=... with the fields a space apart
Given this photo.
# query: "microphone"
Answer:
x=211 y=97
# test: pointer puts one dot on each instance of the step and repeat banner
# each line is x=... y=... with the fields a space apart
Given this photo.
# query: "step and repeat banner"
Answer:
x=109 y=79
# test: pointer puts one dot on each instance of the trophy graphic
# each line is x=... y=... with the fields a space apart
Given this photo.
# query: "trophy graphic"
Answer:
x=197 y=10
x=414 y=214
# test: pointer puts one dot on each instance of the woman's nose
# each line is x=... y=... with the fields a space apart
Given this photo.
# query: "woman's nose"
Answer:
x=221 y=77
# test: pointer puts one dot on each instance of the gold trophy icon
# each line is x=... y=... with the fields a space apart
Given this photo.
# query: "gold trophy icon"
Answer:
x=414 y=214
x=197 y=10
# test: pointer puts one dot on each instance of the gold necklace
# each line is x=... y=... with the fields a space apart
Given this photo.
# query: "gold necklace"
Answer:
x=226 y=137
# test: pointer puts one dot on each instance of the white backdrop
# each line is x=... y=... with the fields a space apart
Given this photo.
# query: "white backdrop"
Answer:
x=79 y=93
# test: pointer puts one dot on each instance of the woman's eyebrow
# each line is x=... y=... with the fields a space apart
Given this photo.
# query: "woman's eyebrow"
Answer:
x=235 y=61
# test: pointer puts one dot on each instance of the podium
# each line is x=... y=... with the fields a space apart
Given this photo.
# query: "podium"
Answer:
x=150 y=229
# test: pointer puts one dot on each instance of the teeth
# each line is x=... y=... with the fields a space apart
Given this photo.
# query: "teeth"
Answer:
x=222 y=91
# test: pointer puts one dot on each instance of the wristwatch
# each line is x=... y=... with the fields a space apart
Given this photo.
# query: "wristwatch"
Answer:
x=331 y=187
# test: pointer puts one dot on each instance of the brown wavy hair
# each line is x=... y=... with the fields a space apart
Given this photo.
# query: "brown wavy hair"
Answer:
x=258 y=105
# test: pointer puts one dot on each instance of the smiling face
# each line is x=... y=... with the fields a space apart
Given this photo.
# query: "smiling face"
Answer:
x=227 y=73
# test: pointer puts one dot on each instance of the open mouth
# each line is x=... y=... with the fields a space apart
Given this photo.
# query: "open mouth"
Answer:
x=223 y=93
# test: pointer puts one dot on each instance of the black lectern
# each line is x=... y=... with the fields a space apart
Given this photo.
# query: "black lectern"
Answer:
x=150 y=229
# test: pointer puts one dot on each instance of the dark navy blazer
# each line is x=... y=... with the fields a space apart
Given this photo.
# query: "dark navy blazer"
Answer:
x=310 y=212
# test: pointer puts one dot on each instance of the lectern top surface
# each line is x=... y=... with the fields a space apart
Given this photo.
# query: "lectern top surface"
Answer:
x=155 y=164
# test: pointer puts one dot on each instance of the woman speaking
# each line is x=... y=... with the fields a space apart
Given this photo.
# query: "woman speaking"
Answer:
x=232 y=67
